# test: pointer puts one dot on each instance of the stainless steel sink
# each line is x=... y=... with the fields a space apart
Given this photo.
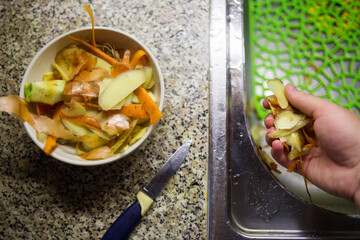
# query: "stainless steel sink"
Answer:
x=245 y=200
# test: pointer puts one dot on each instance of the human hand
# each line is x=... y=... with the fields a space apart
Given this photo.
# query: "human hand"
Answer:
x=334 y=165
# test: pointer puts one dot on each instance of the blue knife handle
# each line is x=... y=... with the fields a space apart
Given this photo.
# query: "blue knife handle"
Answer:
x=124 y=224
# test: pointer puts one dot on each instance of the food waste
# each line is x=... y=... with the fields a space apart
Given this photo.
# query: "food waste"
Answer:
x=293 y=128
x=99 y=101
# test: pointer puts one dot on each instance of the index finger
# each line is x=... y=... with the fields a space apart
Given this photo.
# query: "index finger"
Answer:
x=303 y=101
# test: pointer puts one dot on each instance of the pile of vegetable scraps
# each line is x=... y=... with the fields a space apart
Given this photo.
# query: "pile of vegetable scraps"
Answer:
x=293 y=128
x=94 y=100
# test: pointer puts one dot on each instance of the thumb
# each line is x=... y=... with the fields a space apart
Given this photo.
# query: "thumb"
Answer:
x=304 y=102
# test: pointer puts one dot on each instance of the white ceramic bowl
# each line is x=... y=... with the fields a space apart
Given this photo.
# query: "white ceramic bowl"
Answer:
x=42 y=63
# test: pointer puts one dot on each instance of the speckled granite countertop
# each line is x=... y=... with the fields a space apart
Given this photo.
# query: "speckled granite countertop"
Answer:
x=42 y=198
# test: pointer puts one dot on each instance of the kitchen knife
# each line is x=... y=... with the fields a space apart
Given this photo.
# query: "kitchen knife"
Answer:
x=127 y=221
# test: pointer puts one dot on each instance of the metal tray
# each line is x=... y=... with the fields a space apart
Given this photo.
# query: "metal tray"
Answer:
x=244 y=199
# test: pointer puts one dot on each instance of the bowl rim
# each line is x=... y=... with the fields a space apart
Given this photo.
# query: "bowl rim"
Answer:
x=29 y=129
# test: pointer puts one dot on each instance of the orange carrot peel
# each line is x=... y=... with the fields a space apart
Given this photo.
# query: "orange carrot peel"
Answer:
x=134 y=110
x=88 y=9
x=95 y=50
x=140 y=54
x=149 y=105
x=286 y=146
x=50 y=143
x=84 y=120
x=293 y=165
x=308 y=138
x=121 y=67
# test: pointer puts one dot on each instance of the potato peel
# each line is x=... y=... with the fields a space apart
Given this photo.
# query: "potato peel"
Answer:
x=278 y=133
x=290 y=125
x=287 y=119
x=290 y=128
x=277 y=87
x=296 y=140
x=275 y=109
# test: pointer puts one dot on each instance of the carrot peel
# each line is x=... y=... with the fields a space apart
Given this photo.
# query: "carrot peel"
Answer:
x=149 y=105
x=119 y=68
x=88 y=9
x=286 y=146
x=95 y=50
x=308 y=138
x=84 y=120
x=293 y=165
x=137 y=56
x=134 y=110
x=50 y=143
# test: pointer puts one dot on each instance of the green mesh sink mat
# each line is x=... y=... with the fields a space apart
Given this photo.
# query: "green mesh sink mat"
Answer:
x=315 y=45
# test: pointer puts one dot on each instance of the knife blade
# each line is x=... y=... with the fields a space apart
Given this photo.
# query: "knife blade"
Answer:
x=127 y=221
